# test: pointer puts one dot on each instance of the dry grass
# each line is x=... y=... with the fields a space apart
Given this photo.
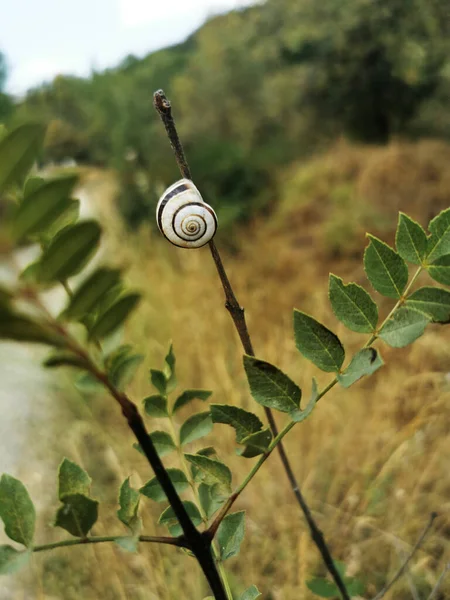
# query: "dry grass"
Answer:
x=373 y=461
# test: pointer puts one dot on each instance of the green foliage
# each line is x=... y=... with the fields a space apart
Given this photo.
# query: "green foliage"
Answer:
x=16 y=511
x=69 y=252
x=386 y=270
x=271 y=387
x=153 y=490
x=326 y=589
x=78 y=512
x=187 y=396
x=439 y=241
x=317 y=343
x=439 y=270
x=156 y=406
x=353 y=306
x=251 y=593
x=411 y=240
x=230 y=534
x=11 y=560
x=404 y=327
x=21 y=328
x=72 y=479
x=169 y=519
x=77 y=515
x=18 y=151
x=129 y=504
x=210 y=471
x=43 y=205
x=433 y=301
x=87 y=297
x=114 y=316
x=196 y=427
x=163 y=442
x=365 y=362
x=245 y=423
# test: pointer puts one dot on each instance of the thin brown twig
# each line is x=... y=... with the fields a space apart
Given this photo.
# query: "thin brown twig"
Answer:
x=237 y=313
x=405 y=564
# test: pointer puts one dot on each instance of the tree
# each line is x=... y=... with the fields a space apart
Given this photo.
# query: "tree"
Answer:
x=369 y=65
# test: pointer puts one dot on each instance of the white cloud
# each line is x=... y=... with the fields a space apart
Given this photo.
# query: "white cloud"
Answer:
x=133 y=13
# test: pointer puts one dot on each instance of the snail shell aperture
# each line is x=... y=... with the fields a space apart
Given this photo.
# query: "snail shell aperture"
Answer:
x=184 y=218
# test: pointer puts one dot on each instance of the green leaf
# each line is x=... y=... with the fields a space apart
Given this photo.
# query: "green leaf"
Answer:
x=88 y=384
x=189 y=395
x=169 y=370
x=230 y=534
x=439 y=241
x=163 y=442
x=404 y=327
x=114 y=316
x=271 y=387
x=211 y=498
x=69 y=216
x=353 y=306
x=22 y=329
x=365 y=362
x=159 y=381
x=32 y=184
x=196 y=427
x=153 y=490
x=245 y=423
x=63 y=358
x=433 y=301
x=256 y=443
x=323 y=588
x=72 y=479
x=129 y=504
x=69 y=251
x=17 y=511
x=251 y=593
x=386 y=270
x=301 y=415
x=440 y=270
x=210 y=470
x=411 y=240
x=87 y=296
x=77 y=515
x=18 y=151
x=11 y=560
x=124 y=369
x=317 y=343
x=156 y=406
x=169 y=519
x=43 y=206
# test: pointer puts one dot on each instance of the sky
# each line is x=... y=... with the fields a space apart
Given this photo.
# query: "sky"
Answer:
x=44 y=38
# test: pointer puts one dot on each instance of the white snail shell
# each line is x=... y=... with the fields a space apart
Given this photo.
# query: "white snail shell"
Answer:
x=184 y=218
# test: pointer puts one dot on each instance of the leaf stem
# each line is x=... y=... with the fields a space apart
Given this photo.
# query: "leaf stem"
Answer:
x=109 y=538
x=237 y=313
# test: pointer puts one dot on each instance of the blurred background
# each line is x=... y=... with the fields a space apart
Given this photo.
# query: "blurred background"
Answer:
x=306 y=124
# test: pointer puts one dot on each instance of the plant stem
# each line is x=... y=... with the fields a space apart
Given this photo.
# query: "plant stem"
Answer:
x=234 y=496
x=109 y=538
x=237 y=314
x=188 y=474
x=199 y=544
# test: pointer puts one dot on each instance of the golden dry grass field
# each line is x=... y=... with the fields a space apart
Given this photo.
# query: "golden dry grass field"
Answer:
x=373 y=461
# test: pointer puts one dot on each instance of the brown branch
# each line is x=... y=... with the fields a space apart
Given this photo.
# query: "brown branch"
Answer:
x=404 y=566
x=192 y=539
x=163 y=106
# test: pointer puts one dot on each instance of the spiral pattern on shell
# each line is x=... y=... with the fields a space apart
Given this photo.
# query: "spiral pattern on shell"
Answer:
x=184 y=218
